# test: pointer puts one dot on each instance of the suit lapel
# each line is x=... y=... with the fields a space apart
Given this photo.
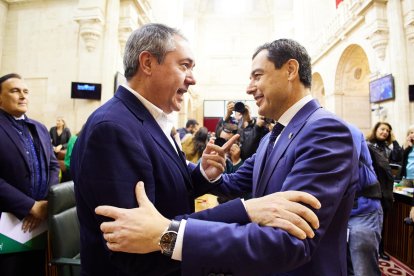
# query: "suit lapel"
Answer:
x=150 y=125
x=286 y=137
x=14 y=137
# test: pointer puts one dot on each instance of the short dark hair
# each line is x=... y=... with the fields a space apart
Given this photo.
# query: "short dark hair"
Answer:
x=281 y=50
x=191 y=122
x=9 y=76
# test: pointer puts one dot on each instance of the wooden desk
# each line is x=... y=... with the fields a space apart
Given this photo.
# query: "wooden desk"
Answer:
x=399 y=237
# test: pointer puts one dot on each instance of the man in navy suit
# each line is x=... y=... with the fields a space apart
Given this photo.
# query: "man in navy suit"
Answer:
x=27 y=168
x=314 y=152
x=128 y=139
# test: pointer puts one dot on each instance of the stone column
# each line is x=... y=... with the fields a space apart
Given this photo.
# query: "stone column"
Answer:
x=398 y=64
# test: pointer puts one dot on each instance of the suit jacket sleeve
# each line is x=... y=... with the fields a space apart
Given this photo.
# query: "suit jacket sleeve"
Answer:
x=113 y=161
x=321 y=162
x=52 y=163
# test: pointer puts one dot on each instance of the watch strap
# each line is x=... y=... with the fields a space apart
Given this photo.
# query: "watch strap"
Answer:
x=174 y=226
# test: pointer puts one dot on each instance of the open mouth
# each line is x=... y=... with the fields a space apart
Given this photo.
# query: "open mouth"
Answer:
x=181 y=91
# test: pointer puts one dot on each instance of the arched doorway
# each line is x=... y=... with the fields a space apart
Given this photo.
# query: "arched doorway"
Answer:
x=352 y=88
x=318 y=89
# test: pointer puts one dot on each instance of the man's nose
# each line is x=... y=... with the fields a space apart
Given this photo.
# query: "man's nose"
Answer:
x=251 y=88
x=190 y=79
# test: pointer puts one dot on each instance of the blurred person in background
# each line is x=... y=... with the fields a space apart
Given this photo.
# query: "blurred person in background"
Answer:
x=234 y=161
x=366 y=219
x=251 y=131
x=407 y=168
x=190 y=128
x=65 y=163
x=382 y=138
x=194 y=146
x=60 y=136
x=229 y=118
x=384 y=150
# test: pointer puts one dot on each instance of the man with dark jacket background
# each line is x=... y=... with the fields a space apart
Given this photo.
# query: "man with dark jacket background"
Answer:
x=27 y=168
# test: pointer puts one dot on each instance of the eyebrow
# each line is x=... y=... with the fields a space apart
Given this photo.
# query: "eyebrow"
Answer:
x=258 y=70
x=189 y=60
x=19 y=89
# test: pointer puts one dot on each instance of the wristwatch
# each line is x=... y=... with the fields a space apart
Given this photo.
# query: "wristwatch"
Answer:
x=168 y=238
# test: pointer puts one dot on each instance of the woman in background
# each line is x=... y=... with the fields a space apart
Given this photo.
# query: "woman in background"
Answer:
x=382 y=141
x=60 y=135
x=382 y=138
x=407 y=169
x=194 y=146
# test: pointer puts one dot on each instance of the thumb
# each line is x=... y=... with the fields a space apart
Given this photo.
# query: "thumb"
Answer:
x=140 y=194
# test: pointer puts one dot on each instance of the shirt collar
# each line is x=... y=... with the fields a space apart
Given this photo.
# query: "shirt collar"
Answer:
x=164 y=120
x=19 y=118
x=291 y=112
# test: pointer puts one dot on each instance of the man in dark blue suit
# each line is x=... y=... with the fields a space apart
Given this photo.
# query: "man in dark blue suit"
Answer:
x=128 y=139
x=27 y=168
x=310 y=150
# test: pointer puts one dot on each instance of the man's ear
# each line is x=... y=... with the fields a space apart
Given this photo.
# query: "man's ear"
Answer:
x=146 y=62
x=292 y=68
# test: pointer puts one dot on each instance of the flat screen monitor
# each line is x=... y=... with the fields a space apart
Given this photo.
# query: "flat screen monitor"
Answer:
x=83 y=90
x=411 y=92
x=382 y=89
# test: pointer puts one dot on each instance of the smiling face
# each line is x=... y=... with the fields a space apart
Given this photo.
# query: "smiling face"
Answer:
x=382 y=133
x=14 y=97
x=269 y=86
x=172 y=78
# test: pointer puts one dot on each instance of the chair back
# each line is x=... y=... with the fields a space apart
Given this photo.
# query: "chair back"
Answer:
x=64 y=234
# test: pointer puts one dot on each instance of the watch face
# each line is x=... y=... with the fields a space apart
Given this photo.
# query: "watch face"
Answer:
x=167 y=242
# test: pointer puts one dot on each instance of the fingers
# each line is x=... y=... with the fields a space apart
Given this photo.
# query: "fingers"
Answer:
x=229 y=143
x=303 y=197
x=211 y=148
x=26 y=224
x=300 y=219
x=112 y=241
x=214 y=158
x=298 y=214
x=219 y=166
x=292 y=229
x=30 y=223
x=108 y=211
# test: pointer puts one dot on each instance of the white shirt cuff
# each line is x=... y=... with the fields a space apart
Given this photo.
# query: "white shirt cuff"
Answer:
x=178 y=248
x=206 y=177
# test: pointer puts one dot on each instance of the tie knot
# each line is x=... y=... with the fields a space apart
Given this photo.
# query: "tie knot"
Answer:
x=277 y=129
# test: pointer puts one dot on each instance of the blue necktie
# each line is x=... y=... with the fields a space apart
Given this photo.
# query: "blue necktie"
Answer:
x=277 y=129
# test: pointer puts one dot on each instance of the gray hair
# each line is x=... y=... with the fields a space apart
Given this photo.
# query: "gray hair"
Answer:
x=158 y=39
